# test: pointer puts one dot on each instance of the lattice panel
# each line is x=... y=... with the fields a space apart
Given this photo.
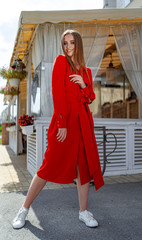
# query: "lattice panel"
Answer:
x=31 y=152
x=138 y=147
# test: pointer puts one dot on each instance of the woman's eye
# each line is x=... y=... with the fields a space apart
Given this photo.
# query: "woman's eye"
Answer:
x=65 y=43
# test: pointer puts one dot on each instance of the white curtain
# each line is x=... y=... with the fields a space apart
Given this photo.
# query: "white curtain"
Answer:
x=38 y=48
x=47 y=42
x=94 y=38
x=51 y=45
x=98 y=48
x=88 y=34
x=128 y=40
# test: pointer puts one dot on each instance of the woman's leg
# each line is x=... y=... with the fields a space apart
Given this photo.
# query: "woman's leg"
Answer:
x=36 y=186
x=83 y=192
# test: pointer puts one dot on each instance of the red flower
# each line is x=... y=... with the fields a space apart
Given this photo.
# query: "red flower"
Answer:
x=25 y=120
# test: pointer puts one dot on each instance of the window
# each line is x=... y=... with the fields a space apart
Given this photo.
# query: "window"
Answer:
x=41 y=99
x=13 y=110
x=115 y=97
x=35 y=97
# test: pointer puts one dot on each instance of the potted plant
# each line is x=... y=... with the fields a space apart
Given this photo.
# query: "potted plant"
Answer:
x=26 y=124
x=9 y=92
x=15 y=73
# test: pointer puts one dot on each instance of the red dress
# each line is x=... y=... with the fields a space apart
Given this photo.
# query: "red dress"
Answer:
x=71 y=111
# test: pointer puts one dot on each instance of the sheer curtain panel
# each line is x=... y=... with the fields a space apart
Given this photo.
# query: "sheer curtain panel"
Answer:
x=128 y=38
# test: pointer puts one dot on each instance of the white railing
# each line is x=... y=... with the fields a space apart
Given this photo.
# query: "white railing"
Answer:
x=127 y=158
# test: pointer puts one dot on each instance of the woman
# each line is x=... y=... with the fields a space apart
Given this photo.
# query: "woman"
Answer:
x=72 y=150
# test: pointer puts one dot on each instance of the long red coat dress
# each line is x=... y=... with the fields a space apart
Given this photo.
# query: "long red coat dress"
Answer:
x=71 y=111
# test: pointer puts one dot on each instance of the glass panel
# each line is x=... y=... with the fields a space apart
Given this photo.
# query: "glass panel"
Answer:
x=35 y=97
x=13 y=110
x=41 y=98
x=115 y=97
x=46 y=89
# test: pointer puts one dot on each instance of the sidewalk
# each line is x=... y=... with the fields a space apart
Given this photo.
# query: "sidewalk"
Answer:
x=54 y=213
x=14 y=176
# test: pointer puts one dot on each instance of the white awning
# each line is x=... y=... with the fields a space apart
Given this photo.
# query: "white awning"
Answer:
x=30 y=20
x=38 y=17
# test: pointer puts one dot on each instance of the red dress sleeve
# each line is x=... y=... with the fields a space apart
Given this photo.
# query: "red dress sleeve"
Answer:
x=58 y=90
x=87 y=93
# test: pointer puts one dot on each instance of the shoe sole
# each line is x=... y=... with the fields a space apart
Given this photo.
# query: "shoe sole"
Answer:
x=87 y=224
x=18 y=227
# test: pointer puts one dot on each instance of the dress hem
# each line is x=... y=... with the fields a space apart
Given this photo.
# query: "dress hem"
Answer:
x=59 y=181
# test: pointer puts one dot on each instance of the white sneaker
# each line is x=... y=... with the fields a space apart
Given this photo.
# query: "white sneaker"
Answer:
x=87 y=218
x=19 y=220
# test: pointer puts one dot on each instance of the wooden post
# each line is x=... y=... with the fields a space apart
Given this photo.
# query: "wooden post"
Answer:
x=5 y=135
x=140 y=109
x=128 y=109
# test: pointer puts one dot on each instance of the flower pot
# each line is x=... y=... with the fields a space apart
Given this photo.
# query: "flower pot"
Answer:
x=8 y=129
x=11 y=129
x=8 y=97
x=14 y=82
x=27 y=130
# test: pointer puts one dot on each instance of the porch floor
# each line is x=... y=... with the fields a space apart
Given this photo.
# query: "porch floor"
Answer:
x=14 y=176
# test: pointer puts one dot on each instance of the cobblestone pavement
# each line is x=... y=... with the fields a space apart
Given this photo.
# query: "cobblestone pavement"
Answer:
x=14 y=176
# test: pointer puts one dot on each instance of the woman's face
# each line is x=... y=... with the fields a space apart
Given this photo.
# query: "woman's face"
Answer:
x=69 y=45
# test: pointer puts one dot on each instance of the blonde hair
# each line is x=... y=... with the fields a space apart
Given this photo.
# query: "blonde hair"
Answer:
x=78 y=51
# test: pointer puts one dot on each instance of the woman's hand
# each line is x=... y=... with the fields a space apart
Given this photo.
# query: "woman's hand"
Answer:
x=61 y=135
x=77 y=79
